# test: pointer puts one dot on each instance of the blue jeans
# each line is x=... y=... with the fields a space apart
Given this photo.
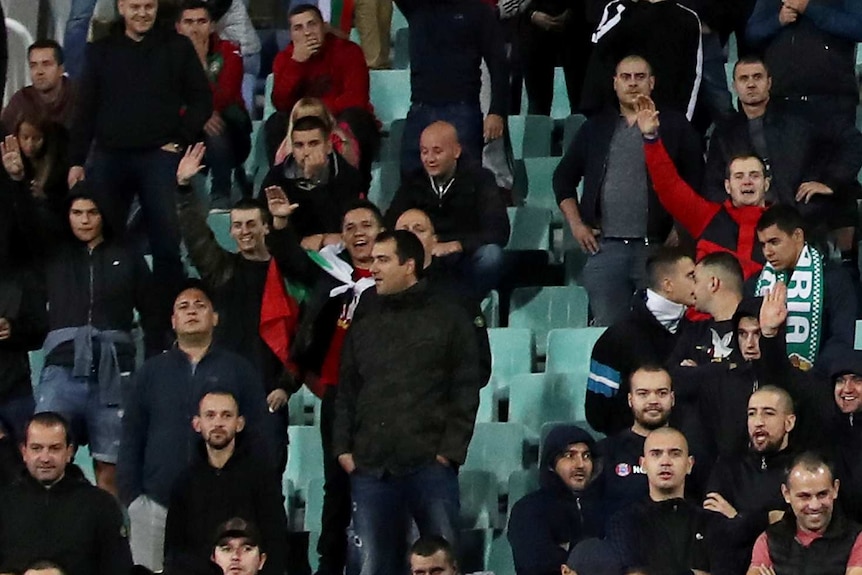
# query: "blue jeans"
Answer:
x=467 y=119
x=480 y=272
x=612 y=275
x=250 y=72
x=120 y=175
x=75 y=37
x=77 y=399
x=383 y=506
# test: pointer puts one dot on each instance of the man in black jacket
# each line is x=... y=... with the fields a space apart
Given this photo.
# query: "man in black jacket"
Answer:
x=53 y=512
x=464 y=205
x=94 y=284
x=225 y=481
x=546 y=524
x=664 y=32
x=746 y=488
x=647 y=335
x=405 y=407
x=319 y=181
x=143 y=98
x=158 y=443
x=664 y=534
x=618 y=220
x=803 y=171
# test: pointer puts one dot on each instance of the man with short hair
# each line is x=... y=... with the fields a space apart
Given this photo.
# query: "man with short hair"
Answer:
x=319 y=64
x=338 y=280
x=226 y=480
x=647 y=335
x=651 y=400
x=50 y=95
x=405 y=408
x=143 y=97
x=164 y=400
x=227 y=132
x=801 y=172
x=664 y=534
x=464 y=205
x=618 y=221
x=433 y=555
x=53 y=511
x=745 y=488
x=257 y=315
x=238 y=550
x=319 y=180
x=821 y=300
x=846 y=433
x=727 y=226
x=545 y=524
x=816 y=533
x=94 y=283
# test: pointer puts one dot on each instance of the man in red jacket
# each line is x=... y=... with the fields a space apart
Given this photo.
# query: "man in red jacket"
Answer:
x=227 y=133
x=319 y=64
x=728 y=226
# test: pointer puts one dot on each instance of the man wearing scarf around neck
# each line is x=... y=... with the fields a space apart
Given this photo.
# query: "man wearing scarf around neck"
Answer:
x=821 y=301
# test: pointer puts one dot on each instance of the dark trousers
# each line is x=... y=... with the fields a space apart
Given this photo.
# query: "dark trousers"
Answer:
x=332 y=545
x=542 y=51
x=120 y=176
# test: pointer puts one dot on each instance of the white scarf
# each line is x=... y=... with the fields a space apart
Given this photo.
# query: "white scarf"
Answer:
x=327 y=258
x=667 y=313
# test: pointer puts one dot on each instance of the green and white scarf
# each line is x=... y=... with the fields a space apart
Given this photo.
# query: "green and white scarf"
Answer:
x=327 y=258
x=804 y=305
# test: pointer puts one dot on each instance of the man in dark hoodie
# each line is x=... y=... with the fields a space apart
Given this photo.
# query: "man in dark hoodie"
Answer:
x=746 y=489
x=546 y=524
x=94 y=284
x=226 y=481
x=143 y=98
x=52 y=511
x=647 y=334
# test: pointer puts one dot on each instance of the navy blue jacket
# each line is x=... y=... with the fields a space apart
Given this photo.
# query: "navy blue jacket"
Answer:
x=547 y=523
x=158 y=440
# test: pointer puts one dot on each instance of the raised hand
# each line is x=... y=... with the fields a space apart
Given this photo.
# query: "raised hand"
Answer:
x=773 y=312
x=279 y=206
x=190 y=164
x=647 y=115
x=12 y=161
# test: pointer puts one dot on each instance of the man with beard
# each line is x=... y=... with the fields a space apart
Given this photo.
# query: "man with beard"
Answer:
x=546 y=524
x=651 y=399
x=226 y=481
x=816 y=534
x=746 y=489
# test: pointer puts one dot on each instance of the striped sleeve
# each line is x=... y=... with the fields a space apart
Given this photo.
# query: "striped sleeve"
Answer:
x=603 y=379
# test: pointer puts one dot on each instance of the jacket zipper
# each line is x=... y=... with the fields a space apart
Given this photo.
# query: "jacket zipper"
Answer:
x=92 y=297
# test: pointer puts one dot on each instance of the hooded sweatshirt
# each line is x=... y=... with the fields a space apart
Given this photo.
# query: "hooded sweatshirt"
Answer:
x=546 y=524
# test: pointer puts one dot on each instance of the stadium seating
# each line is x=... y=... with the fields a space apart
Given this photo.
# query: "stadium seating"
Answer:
x=491 y=309
x=511 y=352
x=569 y=349
x=530 y=228
x=400 y=49
x=219 y=223
x=542 y=309
x=306 y=457
x=478 y=499
x=268 y=108
x=497 y=448
x=522 y=482
x=385 y=179
x=539 y=398
x=533 y=181
x=390 y=145
x=571 y=127
x=500 y=560
x=390 y=94
x=314 y=506
x=530 y=136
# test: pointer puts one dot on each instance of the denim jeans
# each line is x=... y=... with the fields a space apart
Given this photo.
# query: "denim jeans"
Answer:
x=479 y=272
x=612 y=275
x=467 y=119
x=75 y=37
x=120 y=175
x=250 y=73
x=383 y=506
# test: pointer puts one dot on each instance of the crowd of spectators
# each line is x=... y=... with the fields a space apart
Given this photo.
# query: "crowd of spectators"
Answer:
x=721 y=256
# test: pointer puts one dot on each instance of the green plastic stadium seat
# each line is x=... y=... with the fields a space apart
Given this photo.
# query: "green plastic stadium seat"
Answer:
x=542 y=309
x=491 y=309
x=571 y=127
x=497 y=448
x=385 y=179
x=569 y=349
x=511 y=352
x=390 y=94
x=306 y=457
x=530 y=228
x=530 y=136
x=500 y=560
x=478 y=499
x=219 y=223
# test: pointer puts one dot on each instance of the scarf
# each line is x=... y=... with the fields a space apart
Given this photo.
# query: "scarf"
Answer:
x=665 y=311
x=327 y=258
x=804 y=304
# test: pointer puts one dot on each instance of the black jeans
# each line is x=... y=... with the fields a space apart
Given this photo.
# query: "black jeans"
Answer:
x=332 y=545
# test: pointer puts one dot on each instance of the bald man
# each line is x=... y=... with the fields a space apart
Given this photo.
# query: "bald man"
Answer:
x=745 y=490
x=465 y=207
x=663 y=534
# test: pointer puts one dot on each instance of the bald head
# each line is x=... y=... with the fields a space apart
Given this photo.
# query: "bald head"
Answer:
x=418 y=222
x=780 y=397
x=666 y=435
x=439 y=149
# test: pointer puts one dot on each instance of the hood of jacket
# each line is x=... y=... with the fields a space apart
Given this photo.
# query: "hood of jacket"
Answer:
x=557 y=441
